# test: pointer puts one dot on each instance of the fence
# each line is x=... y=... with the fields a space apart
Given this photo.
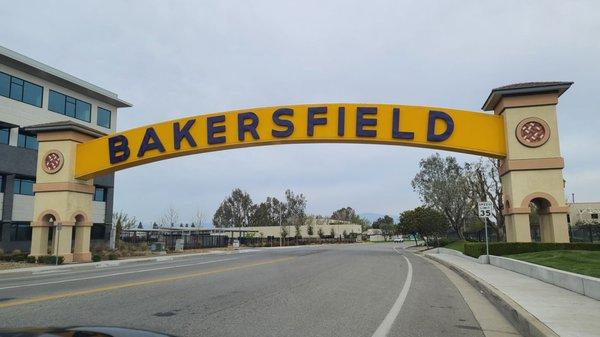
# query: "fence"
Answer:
x=191 y=240
x=291 y=241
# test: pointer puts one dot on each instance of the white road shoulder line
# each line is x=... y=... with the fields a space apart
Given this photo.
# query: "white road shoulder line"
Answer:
x=113 y=274
x=385 y=326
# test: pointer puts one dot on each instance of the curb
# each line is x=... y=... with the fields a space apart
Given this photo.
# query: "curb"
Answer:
x=113 y=263
x=527 y=324
x=110 y=263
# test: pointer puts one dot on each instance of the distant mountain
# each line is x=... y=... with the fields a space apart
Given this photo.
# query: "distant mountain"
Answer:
x=371 y=216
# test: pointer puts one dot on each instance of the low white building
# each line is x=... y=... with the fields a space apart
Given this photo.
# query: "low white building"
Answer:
x=326 y=226
x=374 y=235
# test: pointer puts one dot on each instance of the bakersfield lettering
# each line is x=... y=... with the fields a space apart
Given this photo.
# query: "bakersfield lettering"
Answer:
x=282 y=118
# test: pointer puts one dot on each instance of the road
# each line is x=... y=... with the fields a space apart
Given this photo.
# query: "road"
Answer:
x=333 y=290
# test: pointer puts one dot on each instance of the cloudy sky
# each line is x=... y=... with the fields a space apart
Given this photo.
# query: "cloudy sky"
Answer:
x=181 y=58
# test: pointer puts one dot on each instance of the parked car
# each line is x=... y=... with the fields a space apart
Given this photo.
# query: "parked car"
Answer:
x=398 y=239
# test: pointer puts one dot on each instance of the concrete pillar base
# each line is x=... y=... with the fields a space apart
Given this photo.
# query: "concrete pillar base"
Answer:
x=82 y=257
x=67 y=257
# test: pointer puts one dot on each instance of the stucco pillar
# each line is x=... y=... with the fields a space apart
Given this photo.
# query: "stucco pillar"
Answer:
x=59 y=197
x=81 y=249
x=39 y=241
x=532 y=168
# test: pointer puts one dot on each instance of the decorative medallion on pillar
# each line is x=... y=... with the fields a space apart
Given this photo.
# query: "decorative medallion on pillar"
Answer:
x=533 y=132
x=53 y=161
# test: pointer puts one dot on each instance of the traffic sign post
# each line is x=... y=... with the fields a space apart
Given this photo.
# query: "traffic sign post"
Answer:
x=484 y=210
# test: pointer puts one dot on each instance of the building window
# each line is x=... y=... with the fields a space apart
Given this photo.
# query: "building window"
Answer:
x=100 y=194
x=103 y=117
x=4 y=135
x=23 y=186
x=21 y=90
x=20 y=231
x=97 y=232
x=69 y=106
x=1 y=188
x=27 y=141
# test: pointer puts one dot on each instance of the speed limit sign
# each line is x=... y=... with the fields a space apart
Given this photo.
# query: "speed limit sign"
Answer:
x=484 y=209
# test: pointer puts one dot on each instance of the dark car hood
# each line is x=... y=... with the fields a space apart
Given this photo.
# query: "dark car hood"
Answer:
x=80 y=331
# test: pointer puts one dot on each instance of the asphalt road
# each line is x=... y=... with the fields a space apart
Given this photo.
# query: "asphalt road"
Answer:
x=334 y=290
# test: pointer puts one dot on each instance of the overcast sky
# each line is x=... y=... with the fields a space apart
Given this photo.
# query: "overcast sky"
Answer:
x=183 y=58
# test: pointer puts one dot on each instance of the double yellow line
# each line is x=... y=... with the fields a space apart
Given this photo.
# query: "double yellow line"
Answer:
x=135 y=284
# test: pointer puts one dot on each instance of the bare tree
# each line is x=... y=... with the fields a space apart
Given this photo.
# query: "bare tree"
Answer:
x=484 y=184
x=122 y=221
x=199 y=217
x=170 y=218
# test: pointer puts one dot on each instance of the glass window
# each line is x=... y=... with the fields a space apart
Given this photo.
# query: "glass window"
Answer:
x=23 y=186
x=100 y=194
x=32 y=94
x=27 y=141
x=21 y=90
x=20 y=231
x=103 y=117
x=83 y=111
x=97 y=232
x=56 y=102
x=16 y=89
x=4 y=84
x=1 y=186
x=69 y=106
x=4 y=135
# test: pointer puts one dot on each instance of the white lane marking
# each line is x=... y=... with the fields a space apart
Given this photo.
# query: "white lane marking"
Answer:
x=384 y=328
x=113 y=274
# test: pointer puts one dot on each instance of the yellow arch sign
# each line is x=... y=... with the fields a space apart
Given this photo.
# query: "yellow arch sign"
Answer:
x=446 y=129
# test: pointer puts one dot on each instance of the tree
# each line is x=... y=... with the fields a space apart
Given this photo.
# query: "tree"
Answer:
x=442 y=184
x=344 y=214
x=155 y=226
x=122 y=221
x=426 y=221
x=345 y=234
x=284 y=232
x=386 y=224
x=332 y=232
x=295 y=211
x=170 y=217
x=309 y=229
x=268 y=213
x=484 y=184
x=199 y=218
x=320 y=233
x=234 y=211
x=349 y=214
x=140 y=226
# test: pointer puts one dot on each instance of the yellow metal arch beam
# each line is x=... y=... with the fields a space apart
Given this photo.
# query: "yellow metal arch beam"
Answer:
x=420 y=126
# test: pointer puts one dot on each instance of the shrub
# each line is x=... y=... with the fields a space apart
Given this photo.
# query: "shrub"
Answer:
x=96 y=258
x=113 y=256
x=50 y=259
x=31 y=259
x=17 y=257
x=509 y=248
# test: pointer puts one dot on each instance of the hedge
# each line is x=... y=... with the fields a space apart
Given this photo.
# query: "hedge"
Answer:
x=50 y=259
x=509 y=248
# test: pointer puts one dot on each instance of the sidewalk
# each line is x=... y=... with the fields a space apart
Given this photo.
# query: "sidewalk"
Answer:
x=564 y=312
